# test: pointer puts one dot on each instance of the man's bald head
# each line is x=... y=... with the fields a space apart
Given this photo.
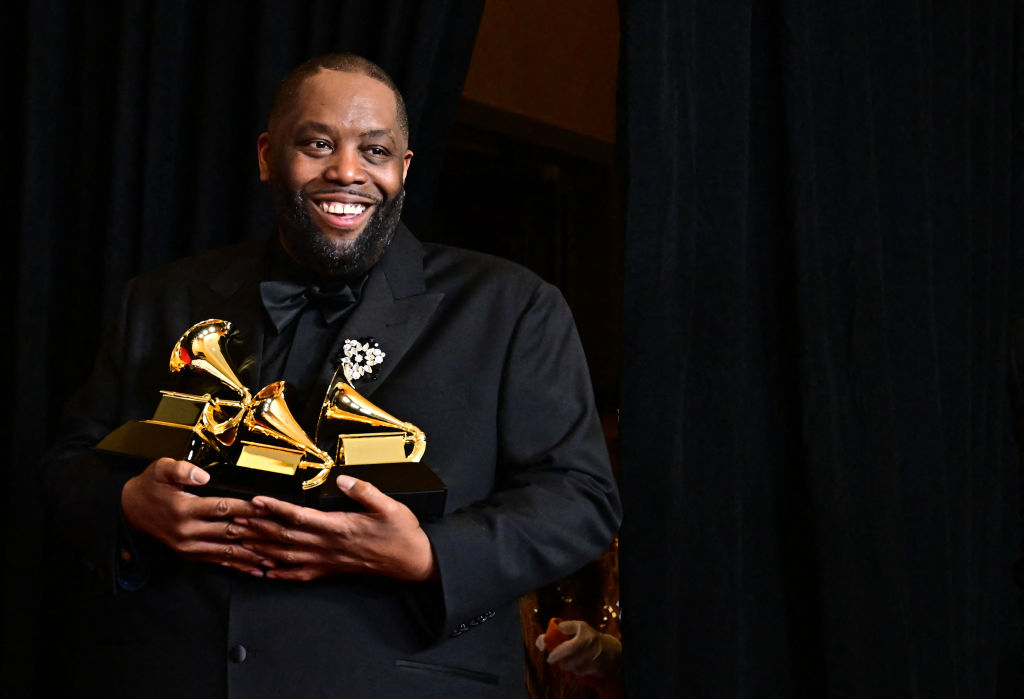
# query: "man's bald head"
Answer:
x=342 y=62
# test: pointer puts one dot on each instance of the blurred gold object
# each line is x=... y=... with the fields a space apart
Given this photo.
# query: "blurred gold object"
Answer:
x=344 y=402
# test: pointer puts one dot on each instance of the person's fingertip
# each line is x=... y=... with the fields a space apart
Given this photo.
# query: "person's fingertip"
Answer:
x=198 y=476
x=345 y=483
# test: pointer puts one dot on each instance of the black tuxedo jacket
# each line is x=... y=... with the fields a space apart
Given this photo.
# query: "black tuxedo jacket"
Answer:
x=483 y=356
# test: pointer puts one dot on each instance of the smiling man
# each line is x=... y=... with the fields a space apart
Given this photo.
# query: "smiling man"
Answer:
x=337 y=177
x=190 y=595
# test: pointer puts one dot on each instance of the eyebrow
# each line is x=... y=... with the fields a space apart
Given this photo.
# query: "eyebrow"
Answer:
x=315 y=125
x=320 y=126
x=378 y=133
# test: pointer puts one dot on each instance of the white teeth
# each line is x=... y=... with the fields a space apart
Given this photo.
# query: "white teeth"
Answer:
x=336 y=207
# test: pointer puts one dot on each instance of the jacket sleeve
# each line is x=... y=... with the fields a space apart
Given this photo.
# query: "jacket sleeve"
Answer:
x=83 y=486
x=555 y=505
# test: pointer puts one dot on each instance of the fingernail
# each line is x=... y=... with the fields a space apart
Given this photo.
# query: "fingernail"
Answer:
x=198 y=476
x=345 y=483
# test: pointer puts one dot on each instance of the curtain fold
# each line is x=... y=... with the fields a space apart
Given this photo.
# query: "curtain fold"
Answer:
x=139 y=122
x=820 y=485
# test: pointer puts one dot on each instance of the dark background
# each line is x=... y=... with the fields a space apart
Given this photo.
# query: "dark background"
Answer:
x=794 y=275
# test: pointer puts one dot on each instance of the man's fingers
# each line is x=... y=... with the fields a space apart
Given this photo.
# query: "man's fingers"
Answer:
x=233 y=530
x=366 y=494
x=219 y=552
x=264 y=506
x=181 y=473
x=221 y=509
x=286 y=522
x=255 y=572
x=243 y=566
x=300 y=574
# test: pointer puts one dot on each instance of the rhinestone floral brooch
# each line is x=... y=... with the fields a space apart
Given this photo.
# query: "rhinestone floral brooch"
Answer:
x=359 y=357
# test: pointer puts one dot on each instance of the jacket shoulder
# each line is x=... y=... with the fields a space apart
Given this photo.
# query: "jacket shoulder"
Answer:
x=228 y=262
x=446 y=265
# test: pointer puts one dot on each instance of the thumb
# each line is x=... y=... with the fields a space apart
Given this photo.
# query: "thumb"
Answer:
x=197 y=476
x=366 y=494
x=180 y=473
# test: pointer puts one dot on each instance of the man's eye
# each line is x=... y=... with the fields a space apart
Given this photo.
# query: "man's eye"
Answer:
x=378 y=151
x=318 y=144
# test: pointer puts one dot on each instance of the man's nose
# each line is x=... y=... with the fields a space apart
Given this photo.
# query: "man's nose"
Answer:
x=345 y=166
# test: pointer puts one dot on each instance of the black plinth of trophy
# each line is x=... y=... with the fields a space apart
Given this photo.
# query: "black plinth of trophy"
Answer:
x=411 y=483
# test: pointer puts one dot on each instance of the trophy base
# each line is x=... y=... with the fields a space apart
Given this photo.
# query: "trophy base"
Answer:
x=411 y=483
x=151 y=440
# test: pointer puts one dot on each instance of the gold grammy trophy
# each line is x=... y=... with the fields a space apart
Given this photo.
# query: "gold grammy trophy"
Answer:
x=389 y=457
x=252 y=444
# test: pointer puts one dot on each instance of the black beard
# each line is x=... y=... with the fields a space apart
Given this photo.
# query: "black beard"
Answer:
x=313 y=250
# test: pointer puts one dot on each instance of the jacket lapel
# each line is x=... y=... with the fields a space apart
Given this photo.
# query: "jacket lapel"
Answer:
x=393 y=310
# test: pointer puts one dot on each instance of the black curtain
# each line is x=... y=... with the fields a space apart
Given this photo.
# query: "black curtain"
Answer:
x=138 y=124
x=823 y=258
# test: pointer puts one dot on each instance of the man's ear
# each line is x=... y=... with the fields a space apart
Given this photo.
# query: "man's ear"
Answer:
x=263 y=155
x=406 y=162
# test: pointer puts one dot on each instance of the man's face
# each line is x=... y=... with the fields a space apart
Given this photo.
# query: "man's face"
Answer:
x=336 y=164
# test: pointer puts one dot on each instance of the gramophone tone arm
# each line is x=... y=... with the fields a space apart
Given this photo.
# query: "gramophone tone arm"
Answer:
x=319 y=478
x=415 y=436
x=209 y=422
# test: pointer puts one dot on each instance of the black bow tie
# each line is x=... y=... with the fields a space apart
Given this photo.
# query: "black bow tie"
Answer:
x=285 y=300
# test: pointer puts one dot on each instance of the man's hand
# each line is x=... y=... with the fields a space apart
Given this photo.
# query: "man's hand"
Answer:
x=385 y=539
x=197 y=528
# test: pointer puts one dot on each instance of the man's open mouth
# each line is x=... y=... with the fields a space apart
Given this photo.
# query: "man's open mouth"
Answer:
x=344 y=215
x=342 y=209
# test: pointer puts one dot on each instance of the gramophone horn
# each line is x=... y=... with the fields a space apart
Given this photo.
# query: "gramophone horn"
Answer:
x=268 y=414
x=346 y=403
x=202 y=348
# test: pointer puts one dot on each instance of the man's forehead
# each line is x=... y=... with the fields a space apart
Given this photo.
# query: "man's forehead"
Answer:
x=332 y=95
x=328 y=88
